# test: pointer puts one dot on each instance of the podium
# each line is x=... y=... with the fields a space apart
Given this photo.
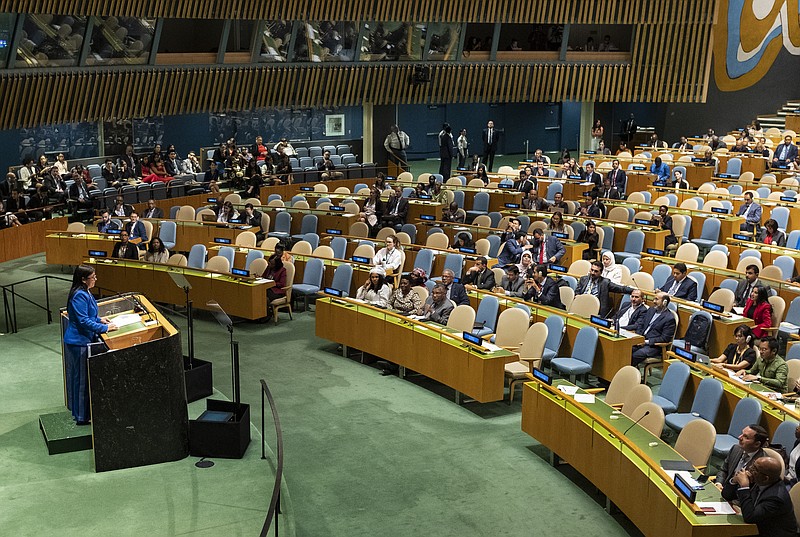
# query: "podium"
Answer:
x=136 y=387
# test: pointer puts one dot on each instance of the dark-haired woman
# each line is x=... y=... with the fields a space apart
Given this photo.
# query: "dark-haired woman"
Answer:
x=759 y=309
x=741 y=354
x=276 y=272
x=772 y=235
x=375 y=291
x=156 y=252
x=84 y=327
x=591 y=237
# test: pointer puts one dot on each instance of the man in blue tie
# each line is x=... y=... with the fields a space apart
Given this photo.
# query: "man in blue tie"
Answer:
x=657 y=325
x=785 y=153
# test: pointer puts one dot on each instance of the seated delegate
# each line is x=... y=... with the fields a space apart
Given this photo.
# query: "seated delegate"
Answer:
x=512 y=284
x=125 y=249
x=438 y=307
x=770 y=369
x=679 y=284
x=375 y=290
x=759 y=309
x=738 y=355
x=657 y=325
x=479 y=276
x=405 y=299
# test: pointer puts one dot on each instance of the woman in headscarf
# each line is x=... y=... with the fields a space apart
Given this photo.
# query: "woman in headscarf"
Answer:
x=610 y=269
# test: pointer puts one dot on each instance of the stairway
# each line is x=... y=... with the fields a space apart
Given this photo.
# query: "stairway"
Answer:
x=779 y=120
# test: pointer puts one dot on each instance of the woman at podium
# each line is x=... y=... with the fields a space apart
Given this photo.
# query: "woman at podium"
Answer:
x=83 y=328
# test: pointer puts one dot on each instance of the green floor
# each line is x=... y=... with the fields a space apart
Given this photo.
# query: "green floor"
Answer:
x=366 y=455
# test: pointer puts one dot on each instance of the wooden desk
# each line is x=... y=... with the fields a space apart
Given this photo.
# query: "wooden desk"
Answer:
x=768 y=252
x=240 y=297
x=188 y=232
x=622 y=463
x=729 y=224
x=793 y=122
x=71 y=248
x=750 y=163
x=432 y=350
x=28 y=239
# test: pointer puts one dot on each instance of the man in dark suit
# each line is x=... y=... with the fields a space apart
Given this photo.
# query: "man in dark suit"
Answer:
x=627 y=318
x=680 y=285
x=544 y=290
x=751 y=211
x=609 y=191
x=152 y=211
x=741 y=456
x=124 y=249
x=767 y=503
x=512 y=250
x=447 y=151
x=105 y=223
x=746 y=286
x=173 y=165
x=546 y=249
x=455 y=291
x=396 y=209
x=617 y=176
x=136 y=230
x=490 y=139
x=595 y=209
x=657 y=325
x=479 y=276
x=533 y=202
x=784 y=153
x=120 y=209
x=595 y=284
x=591 y=176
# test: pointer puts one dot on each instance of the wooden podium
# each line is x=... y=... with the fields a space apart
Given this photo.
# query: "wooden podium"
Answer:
x=136 y=388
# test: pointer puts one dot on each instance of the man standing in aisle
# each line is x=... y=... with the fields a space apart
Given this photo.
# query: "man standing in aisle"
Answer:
x=396 y=143
x=490 y=139
x=446 y=151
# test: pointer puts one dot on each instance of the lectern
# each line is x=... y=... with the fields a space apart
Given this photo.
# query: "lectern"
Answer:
x=136 y=387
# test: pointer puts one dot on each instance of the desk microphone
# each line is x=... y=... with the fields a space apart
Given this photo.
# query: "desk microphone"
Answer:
x=647 y=413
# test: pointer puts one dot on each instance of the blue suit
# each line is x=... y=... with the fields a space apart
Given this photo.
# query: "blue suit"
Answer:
x=458 y=294
x=137 y=231
x=661 y=172
x=753 y=219
x=784 y=154
x=510 y=254
x=83 y=328
x=662 y=330
x=687 y=289
x=552 y=248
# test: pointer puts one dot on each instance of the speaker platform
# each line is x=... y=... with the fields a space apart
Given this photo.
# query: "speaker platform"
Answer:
x=62 y=435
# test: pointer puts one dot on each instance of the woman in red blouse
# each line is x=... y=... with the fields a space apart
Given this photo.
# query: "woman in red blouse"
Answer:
x=157 y=172
x=759 y=309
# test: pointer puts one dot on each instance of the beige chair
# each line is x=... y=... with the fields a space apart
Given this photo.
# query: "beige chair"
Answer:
x=258 y=266
x=246 y=239
x=644 y=215
x=794 y=372
x=482 y=220
x=585 y=306
x=723 y=297
x=482 y=247
x=567 y=295
x=685 y=158
x=625 y=154
x=775 y=196
x=636 y=197
x=749 y=260
x=771 y=272
x=403 y=237
x=619 y=214
x=626 y=275
x=643 y=281
x=768 y=179
x=498 y=275
x=794 y=494
x=352 y=208
x=218 y=264
x=202 y=212
x=679 y=223
x=707 y=187
x=454 y=181
x=537 y=225
x=320 y=187
x=363 y=191
x=778 y=309
x=80 y=227
x=437 y=240
x=712 y=204
x=269 y=243
x=462 y=318
x=506 y=170
x=255 y=201
x=324 y=206
x=653 y=422
x=690 y=204
x=148 y=231
x=789 y=181
x=580 y=267
x=422 y=291
x=687 y=252
x=276 y=203
x=696 y=441
x=476 y=183
x=530 y=356
x=661 y=200
x=364 y=250
x=716 y=259
x=359 y=229
x=300 y=204
x=178 y=260
x=286 y=301
x=405 y=177
x=383 y=233
x=772 y=454
x=323 y=251
x=658 y=361
x=423 y=178
x=623 y=382
x=512 y=324
x=265 y=222
x=234 y=198
x=186 y=212
x=747 y=177
x=342 y=190
x=302 y=248
x=722 y=192
x=638 y=395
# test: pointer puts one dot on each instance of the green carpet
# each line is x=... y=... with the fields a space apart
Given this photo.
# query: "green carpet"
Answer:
x=365 y=455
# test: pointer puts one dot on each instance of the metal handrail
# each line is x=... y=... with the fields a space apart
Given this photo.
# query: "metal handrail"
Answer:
x=10 y=306
x=275 y=500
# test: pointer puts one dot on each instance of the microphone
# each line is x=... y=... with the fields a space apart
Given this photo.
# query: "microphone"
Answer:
x=647 y=413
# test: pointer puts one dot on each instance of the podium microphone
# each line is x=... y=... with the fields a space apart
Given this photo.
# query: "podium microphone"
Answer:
x=647 y=413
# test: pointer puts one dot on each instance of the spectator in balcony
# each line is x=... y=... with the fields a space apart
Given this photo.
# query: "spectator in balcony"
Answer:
x=27 y=174
x=606 y=45
x=173 y=164
x=61 y=165
x=327 y=168
x=16 y=204
x=41 y=202
x=597 y=134
x=514 y=45
x=283 y=172
x=158 y=172
x=463 y=149
x=110 y=174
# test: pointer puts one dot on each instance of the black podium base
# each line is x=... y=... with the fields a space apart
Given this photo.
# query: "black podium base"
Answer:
x=199 y=379
x=222 y=439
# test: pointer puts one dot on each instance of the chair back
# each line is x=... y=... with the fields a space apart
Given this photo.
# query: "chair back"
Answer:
x=423 y=292
x=178 y=260
x=747 y=411
x=772 y=272
x=228 y=253
x=660 y=275
x=364 y=250
x=793 y=315
x=339 y=246
x=437 y=240
x=619 y=214
x=323 y=251
x=707 y=399
x=246 y=239
x=258 y=266
x=634 y=242
x=76 y=227
x=487 y=312
x=580 y=267
x=632 y=264
x=302 y=248
x=723 y=297
x=533 y=343
x=403 y=238
x=270 y=243
x=653 y=421
x=186 y=212
x=512 y=325
x=462 y=318
x=312 y=275
x=585 y=306
x=622 y=383
x=252 y=255
x=555 y=333
x=498 y=274
x=383 y=233
x=481 y=202
x=785 y=434
x=359 y=229
x=342 y=278
x=410 y=230
x=689 y=203
x=643 y=280
x=424 y=260
x=585 y=345
x=197 y=256
x=219 y=263
x=674 y=383
x=454 y=262
x=567 y=295
x=696 y=441
x=312 y=239
x=167 y=232
x=265 y=222
x=714 y=258
x=772 y=454
x=786 y=265
x=636 y=197
x=639 y=394
x=749 y=260
x=283 y=223
x=710 y=229
x=688 y=252
x=482 y=247
x=482 y=220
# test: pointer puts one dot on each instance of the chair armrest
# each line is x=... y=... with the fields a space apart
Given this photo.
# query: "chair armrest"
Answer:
x=595 y=390
x=617 y=406
x=665 y=344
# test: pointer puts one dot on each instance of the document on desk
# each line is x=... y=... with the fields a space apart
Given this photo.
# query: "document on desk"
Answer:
x=125 y=319
x=716 y=508
x=569 y=390
x=585 y=398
